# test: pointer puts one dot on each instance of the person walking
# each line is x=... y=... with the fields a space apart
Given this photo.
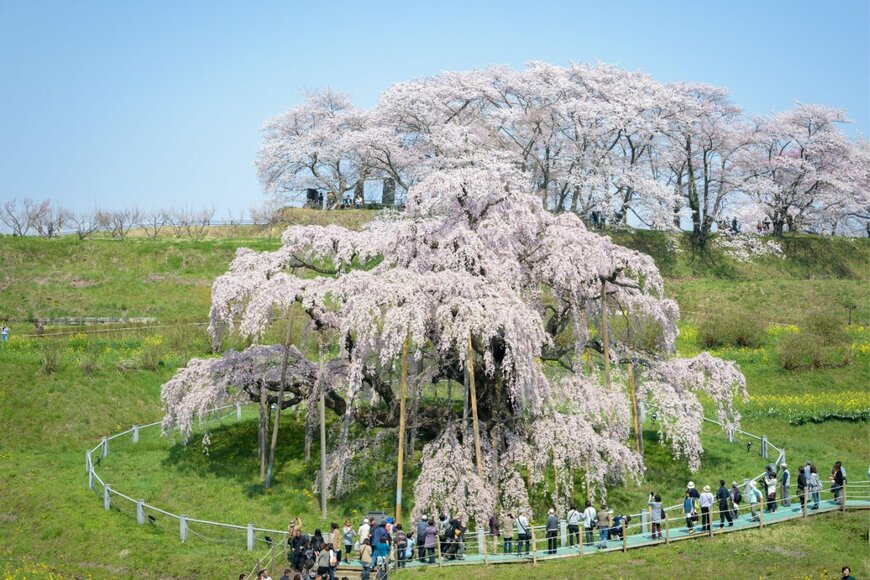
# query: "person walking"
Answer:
x=838 y=480
x=689 y=512
x=589 y=516
x=421 y=538
x=507 y=533
x=735 y=498
x=523 y=534
x=785 y=481
x=574 y=519
x=603 y=526
x=724 y=509
x=656 y=515
x=706 y=502
x=754 y=499
x=815 y=486
x=494 y=531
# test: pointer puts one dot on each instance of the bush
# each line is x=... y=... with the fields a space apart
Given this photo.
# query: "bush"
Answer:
x=50 y=357
x=821 y=342
x=735 y=328
x=152 y=352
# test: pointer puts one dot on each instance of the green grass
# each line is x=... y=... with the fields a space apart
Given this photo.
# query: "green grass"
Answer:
x=47 y=421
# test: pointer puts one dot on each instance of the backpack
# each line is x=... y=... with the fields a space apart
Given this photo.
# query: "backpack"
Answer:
x=738 y=498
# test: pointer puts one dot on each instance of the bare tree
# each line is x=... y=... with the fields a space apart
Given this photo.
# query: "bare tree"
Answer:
x=119 y=222
x=266 y=216
x=198 y=222
x=49 y=219
x=154 y=220
x=85 y=222
x=22 y=216
x=177 y=220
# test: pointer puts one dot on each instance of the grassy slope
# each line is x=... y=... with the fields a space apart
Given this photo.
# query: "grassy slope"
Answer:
x=46 y=422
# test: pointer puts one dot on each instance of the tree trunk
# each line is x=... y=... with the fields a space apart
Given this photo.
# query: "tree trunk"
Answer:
x=388 y=198
x=284 y=362
x=322 y=434
x=261 y=439
x=416 y=393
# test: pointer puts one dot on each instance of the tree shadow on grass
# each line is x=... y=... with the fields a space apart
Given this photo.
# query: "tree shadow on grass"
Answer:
x=232 y=455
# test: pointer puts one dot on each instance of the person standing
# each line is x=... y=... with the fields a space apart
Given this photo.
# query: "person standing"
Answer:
x=815 y=486
x=494 y=531
x=574 y=519
x=347 y=537
x=365 y=558
x=523 y=534
x=421 y=538
x=785 y=482
x=838 y=480
x=430 y=539
x=754 y=499
x=689 y=512
x=4 y=333
x=724 y=509
x=507 y=533
x=734 y=499
x=770 y=489
x=589 y=523
x=802 y=487
x=655 y=504
x=336 y=541
x=364 y=531
x=552 y=528
x=706 y=501
x=401 y=540
x=603 y=525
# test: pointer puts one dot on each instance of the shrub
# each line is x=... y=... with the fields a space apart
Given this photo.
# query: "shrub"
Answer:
x=152 y=352
x=50 y=357
x=731 y=327
x=821 y=343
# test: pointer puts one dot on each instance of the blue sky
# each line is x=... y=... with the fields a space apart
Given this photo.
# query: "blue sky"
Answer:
x=160 y=103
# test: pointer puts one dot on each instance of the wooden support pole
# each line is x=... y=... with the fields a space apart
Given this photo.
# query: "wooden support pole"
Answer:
x=475 y=424
x=624 y=536
x=638 y=434
x=843 y=497
x=534 y=544
x=605 y=334
x=438 y=549
x=400 y=468
x=667 y=527
x=806 y=499
x=322 y=433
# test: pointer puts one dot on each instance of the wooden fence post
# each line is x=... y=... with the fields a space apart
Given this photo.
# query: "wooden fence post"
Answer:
x=438 y=548
x=806 y=499
x=250 y=537
x=105 y=450
x=107 y=497
x=182 y=528
x=135 y=433
x=534 y=544
x=667 y=528
x=140 y=512
x=843 y=497
x=624 y=536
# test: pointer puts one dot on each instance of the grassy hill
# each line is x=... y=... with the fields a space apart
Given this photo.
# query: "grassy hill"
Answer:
x=59 y=394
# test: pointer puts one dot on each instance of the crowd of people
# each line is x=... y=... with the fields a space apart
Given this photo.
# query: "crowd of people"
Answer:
x=377 y=543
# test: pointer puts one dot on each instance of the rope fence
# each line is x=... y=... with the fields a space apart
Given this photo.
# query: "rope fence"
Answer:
x=477 y=546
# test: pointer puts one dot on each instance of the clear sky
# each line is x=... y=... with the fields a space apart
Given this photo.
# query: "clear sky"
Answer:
x=159 y=103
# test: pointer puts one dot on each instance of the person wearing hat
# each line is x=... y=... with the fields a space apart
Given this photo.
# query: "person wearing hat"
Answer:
x=421 y=536
x=735 y=498
x=364 y=530
x=706 y=501
x=754 y=499
x=552 y=531
x=786 y=480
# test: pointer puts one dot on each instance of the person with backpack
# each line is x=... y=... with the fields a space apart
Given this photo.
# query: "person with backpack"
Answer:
x=656 y=514
x=722 y=496
x=552 y=528
x=317 y=541
x=589 y=517
x=616 y=530
x=689 y=512
x=523 y=534
x=734 y=499
x=574 y=519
